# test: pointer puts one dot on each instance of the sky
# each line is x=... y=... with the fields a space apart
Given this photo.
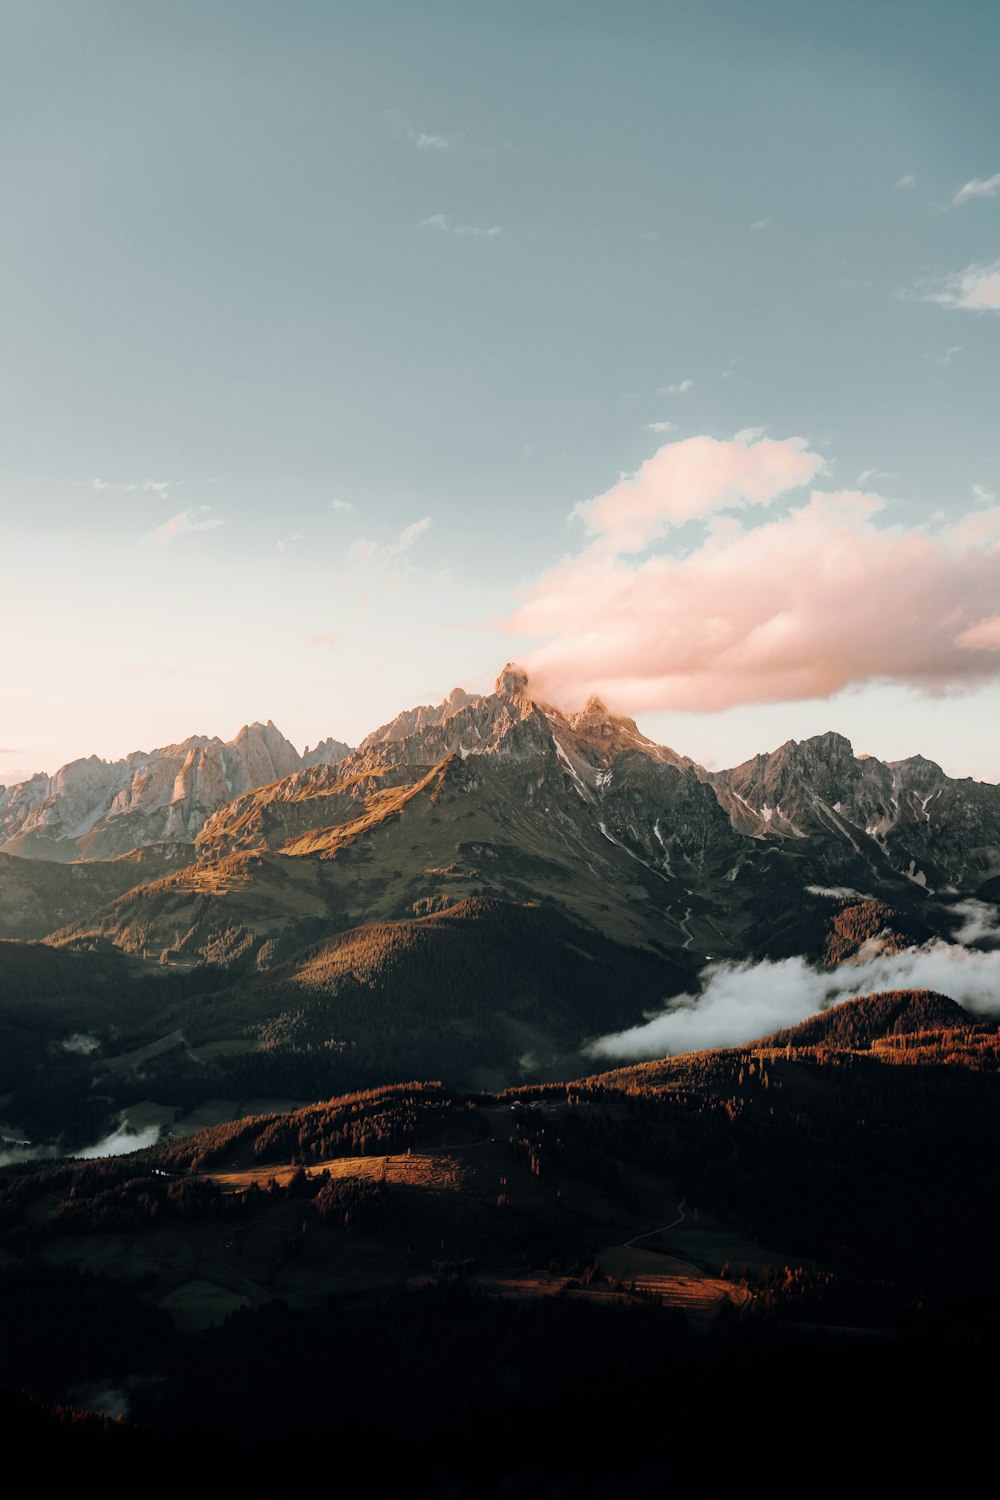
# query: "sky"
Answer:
x=354 y=349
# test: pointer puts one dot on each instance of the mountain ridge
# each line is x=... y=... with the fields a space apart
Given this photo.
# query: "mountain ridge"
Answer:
x=503 y=794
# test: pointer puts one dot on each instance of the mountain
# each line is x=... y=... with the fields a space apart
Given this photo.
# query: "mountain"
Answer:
x=479 y=888
x=496 y=795
x=502 y=795
x=904 y=816
x=471 y=895
x=95 y=809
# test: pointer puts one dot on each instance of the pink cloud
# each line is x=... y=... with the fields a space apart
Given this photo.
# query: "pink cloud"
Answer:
x=693 y=478
x=328 y=638
x=984 y=636
x=799 y=606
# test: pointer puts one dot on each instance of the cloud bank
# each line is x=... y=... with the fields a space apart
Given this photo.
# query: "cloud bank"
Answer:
x=760 y=607
x=739 y=1003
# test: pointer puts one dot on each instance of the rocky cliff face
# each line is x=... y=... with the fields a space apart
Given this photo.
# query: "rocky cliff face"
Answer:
x=94 y=809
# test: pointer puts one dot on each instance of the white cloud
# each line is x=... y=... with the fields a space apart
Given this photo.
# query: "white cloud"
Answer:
x=905 y=182
x=983 y=495
x=341 y=505
x=426 y=142
x=680 y=389
x=661 y=426
x=976 y=289
x=440 y=221
x=361 y=549
x=980 y=921
x=837 y=893
x=867 y=474
x=185 y=523
x=761 y=224
x=738 y=1003
x=947 y=357
x=979 y=187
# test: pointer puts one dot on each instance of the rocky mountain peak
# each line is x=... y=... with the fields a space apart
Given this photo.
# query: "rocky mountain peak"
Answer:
x=512 y=683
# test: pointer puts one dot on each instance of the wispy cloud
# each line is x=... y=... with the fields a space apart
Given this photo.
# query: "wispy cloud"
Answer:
x=905 y=182
x=423 y=140
x=979 y=187
x=426 y=142
x=983 y=495
x=185 y=523
x=867 y=475
x=409 y=535
x=976 y=289
x=947 y=357
x=823 y=596
x=761 y=224
x=285 y=542
x=441 y=221
x=660 y=426
x=341 y=505
x=149 y=486
x=679 y=389
x=365 y=549
x=327 y=640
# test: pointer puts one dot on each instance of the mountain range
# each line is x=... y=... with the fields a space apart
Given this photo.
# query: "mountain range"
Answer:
x=222 y=967
x=96 y=809
x=477 y=891
x=501 y=793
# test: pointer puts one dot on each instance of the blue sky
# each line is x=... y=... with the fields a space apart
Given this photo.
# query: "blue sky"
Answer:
x=320 y=320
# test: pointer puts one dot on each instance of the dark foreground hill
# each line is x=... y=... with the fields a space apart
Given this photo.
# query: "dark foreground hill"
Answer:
x=863 y=1023
x=604 y=1287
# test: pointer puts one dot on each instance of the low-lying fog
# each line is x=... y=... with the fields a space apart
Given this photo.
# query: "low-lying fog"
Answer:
x=739 y=1002
x=117 y=1143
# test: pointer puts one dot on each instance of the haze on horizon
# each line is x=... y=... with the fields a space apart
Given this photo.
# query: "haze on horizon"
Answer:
x=351 y=356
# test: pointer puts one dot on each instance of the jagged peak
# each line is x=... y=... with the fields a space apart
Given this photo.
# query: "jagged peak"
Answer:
x=595 y=705
x=512 y=682
x=918 y=762
x=830 y=738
